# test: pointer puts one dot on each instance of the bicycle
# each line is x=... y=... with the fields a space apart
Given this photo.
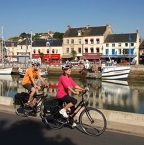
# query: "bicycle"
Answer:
x=91 y=120
x=20 y=100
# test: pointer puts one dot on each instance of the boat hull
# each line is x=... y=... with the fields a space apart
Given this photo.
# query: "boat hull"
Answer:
x=5 y=71
x=116 y=73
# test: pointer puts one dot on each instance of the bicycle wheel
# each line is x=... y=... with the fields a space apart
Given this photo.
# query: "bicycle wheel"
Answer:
x=51 y=119
x=20 y=110
x=92 y=121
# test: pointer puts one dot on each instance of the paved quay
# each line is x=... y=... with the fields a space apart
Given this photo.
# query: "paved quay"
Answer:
x=116 y=121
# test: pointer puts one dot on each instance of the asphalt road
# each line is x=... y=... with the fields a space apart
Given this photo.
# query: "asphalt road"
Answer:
x=15 y=130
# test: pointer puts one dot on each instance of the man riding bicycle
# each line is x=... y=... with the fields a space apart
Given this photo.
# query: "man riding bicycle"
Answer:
x=65 y=86
x=29 y=83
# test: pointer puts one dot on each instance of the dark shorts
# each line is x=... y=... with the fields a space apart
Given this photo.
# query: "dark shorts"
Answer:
x=68 y=99
x=28 y=86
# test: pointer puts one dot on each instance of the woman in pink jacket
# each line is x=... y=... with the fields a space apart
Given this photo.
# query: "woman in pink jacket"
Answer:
x=65 y=86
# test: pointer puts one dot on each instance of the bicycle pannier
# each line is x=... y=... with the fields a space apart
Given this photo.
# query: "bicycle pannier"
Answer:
x=21 y=98
x=50 y=106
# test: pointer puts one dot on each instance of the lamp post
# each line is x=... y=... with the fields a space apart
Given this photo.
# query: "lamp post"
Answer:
x=49 y=52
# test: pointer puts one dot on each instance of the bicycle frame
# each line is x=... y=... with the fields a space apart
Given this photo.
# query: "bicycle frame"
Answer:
x=80 y=105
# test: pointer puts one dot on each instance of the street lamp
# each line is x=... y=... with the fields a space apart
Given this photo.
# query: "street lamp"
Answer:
x=49 y=51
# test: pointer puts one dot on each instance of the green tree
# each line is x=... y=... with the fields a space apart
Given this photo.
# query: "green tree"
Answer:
x=58 y=35
x=74 y=54
x=24 y=35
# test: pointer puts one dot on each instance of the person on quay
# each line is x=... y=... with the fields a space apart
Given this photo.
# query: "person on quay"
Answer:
x=65 y=86
x=29 y=83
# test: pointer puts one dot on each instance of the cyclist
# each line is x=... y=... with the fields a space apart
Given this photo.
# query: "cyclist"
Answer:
x=65 y=86
x=29 y=83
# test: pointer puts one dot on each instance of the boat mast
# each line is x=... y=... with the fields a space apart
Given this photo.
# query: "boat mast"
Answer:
x=2 y=47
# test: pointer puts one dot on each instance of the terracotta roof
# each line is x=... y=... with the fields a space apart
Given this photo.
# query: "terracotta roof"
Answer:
x=121 y=38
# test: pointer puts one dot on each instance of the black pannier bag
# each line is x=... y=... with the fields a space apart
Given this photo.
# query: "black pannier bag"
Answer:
x=50 y=106
x=21 y=98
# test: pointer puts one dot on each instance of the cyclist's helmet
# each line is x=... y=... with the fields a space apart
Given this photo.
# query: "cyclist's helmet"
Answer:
x=67 y=66
x=35 y=62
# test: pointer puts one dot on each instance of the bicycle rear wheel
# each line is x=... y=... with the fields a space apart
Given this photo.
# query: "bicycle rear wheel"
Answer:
x=92 y=121
x=51 y=119
x=20 y=110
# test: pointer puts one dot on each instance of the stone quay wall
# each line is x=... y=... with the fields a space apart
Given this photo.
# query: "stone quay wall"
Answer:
x=136 y=72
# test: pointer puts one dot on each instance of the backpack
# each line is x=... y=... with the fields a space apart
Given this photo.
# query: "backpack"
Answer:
x=50 y=106
x=20 y=98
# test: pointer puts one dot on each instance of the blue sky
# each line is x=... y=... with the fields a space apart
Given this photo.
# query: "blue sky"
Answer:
x=17 y=16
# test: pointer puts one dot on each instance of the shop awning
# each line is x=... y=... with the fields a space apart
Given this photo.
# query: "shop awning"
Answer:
x=90 y=57
x=118 y=56
x=66 y=56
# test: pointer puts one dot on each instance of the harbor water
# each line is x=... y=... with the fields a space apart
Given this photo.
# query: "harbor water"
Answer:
x=115 y=95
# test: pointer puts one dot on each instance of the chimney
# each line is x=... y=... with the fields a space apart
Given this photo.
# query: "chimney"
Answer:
x=137 y=31
x=87 y=26
x=108 y=26
x=68 y=27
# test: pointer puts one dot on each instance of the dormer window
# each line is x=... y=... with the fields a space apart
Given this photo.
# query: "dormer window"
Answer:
x=79 y=33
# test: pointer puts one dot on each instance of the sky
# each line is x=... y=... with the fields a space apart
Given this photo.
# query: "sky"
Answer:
x=41 y=16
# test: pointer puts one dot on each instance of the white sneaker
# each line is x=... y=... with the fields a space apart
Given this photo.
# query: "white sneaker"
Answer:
x=74 y=125
x=63 y=112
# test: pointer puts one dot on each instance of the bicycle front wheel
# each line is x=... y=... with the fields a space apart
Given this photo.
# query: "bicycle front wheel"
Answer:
x=92 y=121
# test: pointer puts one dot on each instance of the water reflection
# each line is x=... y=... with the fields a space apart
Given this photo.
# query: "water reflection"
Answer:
x=114 y=95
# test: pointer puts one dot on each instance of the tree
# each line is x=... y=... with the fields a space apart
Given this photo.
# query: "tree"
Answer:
x=58 y=35
x=74 y=54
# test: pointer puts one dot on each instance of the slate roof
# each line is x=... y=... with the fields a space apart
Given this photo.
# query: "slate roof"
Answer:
x=142 y=45
x=25 y=42
x=91 y=31
x=113 y=38
x=9 y=43
x=42 y=42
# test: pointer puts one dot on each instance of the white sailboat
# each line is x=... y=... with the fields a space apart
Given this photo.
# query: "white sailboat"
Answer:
x=3 y=70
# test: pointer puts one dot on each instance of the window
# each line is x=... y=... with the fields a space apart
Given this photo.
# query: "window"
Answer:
x=126 y=44
x=67 y=41
x=34 y=51
x=107 y=45
x=107 y=51
x=97 y=50
x=47 y=50
x=67 y=50
x=132 y=44
x=113 y=45
x=21 y=47
x=72 y=49
x=92 y=41
x=119 y=44
x=79 y=41
x=38 y=50
x=97 y=41
x=92 y=50
x=86 y=41
x=79 y=50
x=113 y=51
x=52 y=50
x=72 y=41
x=86 y=50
